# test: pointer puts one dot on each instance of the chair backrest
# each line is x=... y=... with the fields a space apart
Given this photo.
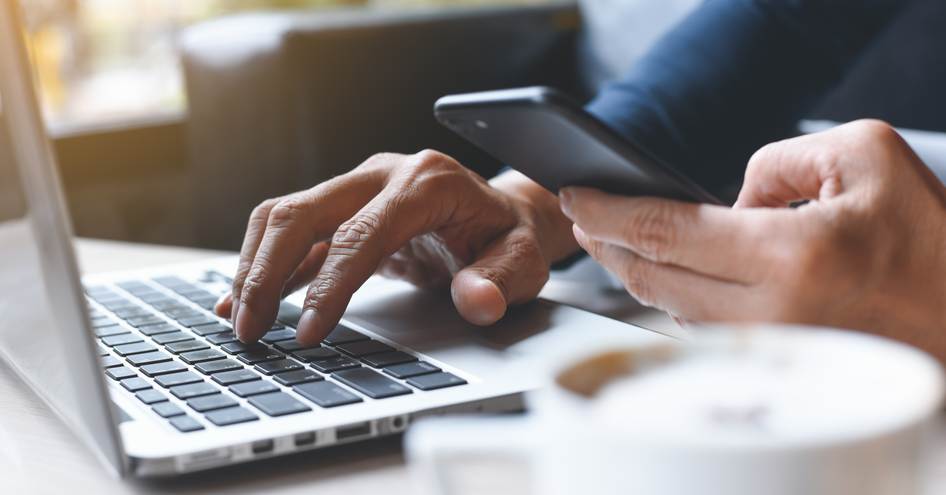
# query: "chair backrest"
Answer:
x=280 y=102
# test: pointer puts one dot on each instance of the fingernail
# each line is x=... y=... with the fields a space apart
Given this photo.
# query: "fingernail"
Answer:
x=307 y=322
x=580 y=235
x=245 y=324
x=234 y=310
x=565 y=201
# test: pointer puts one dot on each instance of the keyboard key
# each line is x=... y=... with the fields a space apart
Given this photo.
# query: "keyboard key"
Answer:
x=326 y=394
x=132 y=312
x=207 y=303
x=408 y=370
x=151 y=297
x=175 y=379
x=165 y=303
x=167 y=410
x=211 y=367
x=164 y=368
x=259 y=355
x=277 y=335
x=109 y=331
x=230 y=416
x=136 y=348
x=135 y=384
x=211 y=402
x=292 y=346
x=186 y=424
x=150 y=330
x=192 y=390
x=253 y=388
x=140 y=321
x=172 y=337
x=148 y=358
x=342 y=335
x=125 y=338
x=103 y=351
x=388 y=359
x=233 y=377
x=197 y=294
x=103 y=323
x=170 y=281
x=214 y=327
x=201 y=356
x=180 y=312
x=364 y=348
x=435 y=380
x=197 y=321
x=238 y=347
x=187 y=346
x=278 y=404
x=151 y=396
x=315 y=354
x=120 y=373
x=221 y=338
x=278 y=366
x=334 y=364
x=109 y=361
x=371 y=383
x=291 y=378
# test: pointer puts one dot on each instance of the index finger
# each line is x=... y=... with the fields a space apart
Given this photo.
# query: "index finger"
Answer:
x=294 y=224
x=359 y=246
x=714 y=240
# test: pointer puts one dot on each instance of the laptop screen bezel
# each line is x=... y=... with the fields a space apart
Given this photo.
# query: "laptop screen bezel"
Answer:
x=94 y=419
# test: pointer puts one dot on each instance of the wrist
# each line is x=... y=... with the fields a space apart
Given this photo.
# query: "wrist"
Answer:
x=553 y=227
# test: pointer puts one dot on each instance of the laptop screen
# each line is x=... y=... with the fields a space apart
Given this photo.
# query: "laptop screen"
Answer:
x=44 y=332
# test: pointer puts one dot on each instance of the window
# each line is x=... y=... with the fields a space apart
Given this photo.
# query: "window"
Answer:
x=102 y=62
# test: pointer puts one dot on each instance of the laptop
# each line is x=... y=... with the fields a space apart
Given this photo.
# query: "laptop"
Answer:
x=155 y=384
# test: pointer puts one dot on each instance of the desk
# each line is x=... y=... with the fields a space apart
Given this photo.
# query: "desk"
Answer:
x=38 y=454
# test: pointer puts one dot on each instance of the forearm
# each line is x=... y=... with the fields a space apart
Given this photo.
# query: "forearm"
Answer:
x=555 y=229
x=735 y=75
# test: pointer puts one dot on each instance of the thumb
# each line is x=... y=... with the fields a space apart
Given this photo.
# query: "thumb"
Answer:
x=792 y=170
x=511 y=270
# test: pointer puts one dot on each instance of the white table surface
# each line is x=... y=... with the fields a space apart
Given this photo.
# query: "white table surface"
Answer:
x=38 y=454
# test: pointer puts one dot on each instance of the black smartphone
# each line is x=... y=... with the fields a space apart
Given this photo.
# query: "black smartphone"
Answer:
x=555 y=142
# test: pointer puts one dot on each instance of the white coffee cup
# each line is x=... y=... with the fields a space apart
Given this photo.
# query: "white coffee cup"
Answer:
x=739 y=411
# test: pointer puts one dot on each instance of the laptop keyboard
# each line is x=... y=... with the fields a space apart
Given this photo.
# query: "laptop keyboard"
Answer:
x=160 y=340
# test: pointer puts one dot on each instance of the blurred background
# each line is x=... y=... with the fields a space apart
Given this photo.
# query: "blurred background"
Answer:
x=171 y=119
x=108 y=61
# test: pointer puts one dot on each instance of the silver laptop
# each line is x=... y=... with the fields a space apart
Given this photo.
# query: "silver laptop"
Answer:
x=155 y=384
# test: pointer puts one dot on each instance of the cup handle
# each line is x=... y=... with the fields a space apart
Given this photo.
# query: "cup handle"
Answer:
x=436 y=445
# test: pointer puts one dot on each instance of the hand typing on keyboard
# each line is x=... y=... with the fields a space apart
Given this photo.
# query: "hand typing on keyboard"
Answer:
x=423 y=217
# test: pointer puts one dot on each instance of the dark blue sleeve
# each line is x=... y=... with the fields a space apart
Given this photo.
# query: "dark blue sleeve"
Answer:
x=735 y=75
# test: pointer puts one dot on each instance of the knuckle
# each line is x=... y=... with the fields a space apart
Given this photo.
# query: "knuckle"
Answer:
x=262 y=210
x=431 y=157
x=764 y=156
x=651 y=230
x=358 y=231
x=251 y=286
x=327 y=284
x=378 y=161
x=287 y=211
x=637 y=283
x=528 y=260
x=874 y=130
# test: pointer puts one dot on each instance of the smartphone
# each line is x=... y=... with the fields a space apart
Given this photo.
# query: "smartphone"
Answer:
x=555 y=142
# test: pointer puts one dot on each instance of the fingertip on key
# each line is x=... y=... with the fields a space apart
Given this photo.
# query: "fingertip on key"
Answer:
x=247 y=325
x=308 y=331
